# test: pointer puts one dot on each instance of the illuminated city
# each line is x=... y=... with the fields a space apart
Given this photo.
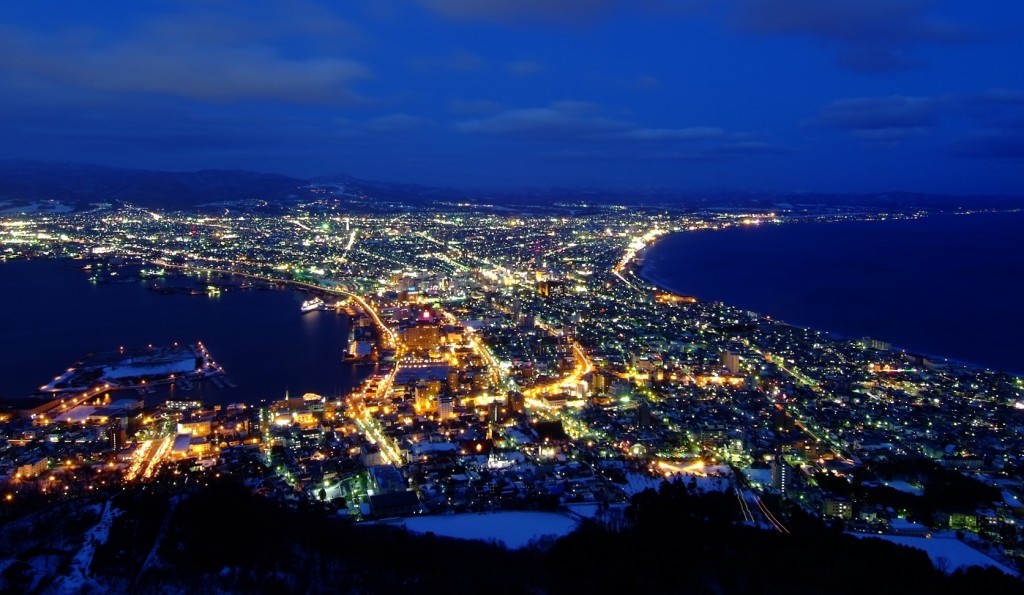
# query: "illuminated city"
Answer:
x=511 y=296
x=513 y=360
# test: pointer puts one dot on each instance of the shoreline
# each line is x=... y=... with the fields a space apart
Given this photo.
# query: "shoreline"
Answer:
x=638 y=265
x=298 y=354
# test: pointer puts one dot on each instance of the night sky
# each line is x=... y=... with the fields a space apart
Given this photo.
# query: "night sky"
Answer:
x=787 y=95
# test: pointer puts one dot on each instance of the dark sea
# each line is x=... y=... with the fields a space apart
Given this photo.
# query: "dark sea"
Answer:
x=950 y=286
x=52 y=316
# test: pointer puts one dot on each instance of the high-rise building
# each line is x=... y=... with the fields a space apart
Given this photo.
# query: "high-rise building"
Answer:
x=116 y=435
x=516 y=402
x=782 y=475
x=445 y=406
x=422 y=337
x=731 y=362
x=643 y=414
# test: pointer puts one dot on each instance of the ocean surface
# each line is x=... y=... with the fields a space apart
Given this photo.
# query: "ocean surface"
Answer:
x=944 y=285
x=52 y=316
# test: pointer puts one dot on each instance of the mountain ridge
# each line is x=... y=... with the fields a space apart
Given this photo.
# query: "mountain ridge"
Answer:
x=81 y=184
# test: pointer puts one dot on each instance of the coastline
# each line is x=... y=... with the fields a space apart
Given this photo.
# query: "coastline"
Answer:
x=291 y=351
x=641 y=268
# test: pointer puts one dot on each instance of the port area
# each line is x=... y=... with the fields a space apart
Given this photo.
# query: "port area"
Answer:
x=141 y=370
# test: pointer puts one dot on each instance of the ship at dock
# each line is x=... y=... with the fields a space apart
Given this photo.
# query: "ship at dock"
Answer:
x=312 y=304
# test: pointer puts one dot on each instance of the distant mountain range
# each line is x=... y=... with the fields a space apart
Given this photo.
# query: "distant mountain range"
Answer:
x=83 y=184
x=26 y=181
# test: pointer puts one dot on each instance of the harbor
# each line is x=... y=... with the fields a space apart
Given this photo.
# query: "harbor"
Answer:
x=142 y=370
x=288 y=350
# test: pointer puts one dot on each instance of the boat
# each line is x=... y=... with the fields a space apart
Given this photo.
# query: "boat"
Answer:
x=313 y=304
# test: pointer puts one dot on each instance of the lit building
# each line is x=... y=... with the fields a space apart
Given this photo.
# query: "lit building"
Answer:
x=445 y=406
x=422 y=337
x=782 y=475
x=731 y=362
x=838 y=508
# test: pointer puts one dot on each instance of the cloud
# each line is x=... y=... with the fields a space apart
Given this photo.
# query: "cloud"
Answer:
x=999 y=114
x=880 y=113
x=647 y=82
x=455 y=61
x=674 y=134
x=750 y=148
x=396 y=123
x=585 y=133
x=184 y=57
x=558 y=12
x=868 y=35
x=562 y=120
x=877 y=58
x=872 y=35
x=1006 y=144
x=989 y=124
x=231 y=21
x=995 y=107
x=847 y=20
x=722 y=151
x=473 y=108
x=525 y=68
x=520 y=11
x=888 y=135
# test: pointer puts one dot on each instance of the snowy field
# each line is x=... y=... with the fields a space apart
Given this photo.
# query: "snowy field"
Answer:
x=49 y=206
x=711 y=479
x=947 y=553
x=76 y=578
x=514 y=529
x=902 y=486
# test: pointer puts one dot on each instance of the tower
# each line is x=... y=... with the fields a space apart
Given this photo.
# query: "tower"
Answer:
x=782 y=475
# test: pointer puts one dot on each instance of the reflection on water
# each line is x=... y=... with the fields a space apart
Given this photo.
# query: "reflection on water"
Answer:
x=53 y=316
x=945 y=285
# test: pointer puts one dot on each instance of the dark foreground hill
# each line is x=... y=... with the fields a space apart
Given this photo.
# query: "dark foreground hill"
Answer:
x=225 y=539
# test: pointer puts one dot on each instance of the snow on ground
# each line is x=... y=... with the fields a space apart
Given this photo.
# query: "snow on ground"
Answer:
x=945 y=551
x=584 y=509
x=49 y=206
x=186 y=365
x=513 y=528
x=711 y=479
x=638 y=482
x=1011 y=499
x=900 y=485
x=77 y=579
x=758 y=476
x=77 y=415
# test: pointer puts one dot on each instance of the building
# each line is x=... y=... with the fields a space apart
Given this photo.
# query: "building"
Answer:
x=731 y=362
x=32 y=468
x=643 y=414
x=516 y=401
x=782 y=475
x=838 y=508
x=394 y=504
x=386 y=479
x=422 y=337
x=445 y=406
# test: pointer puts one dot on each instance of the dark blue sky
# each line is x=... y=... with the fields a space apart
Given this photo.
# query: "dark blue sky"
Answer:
x=815 y=95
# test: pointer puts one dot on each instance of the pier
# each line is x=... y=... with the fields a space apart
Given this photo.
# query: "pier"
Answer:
x=141 y=370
